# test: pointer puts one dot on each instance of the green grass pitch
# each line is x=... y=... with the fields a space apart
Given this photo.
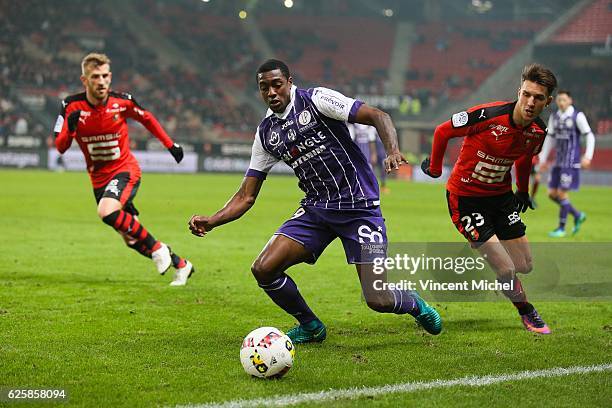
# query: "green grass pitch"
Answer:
x=80 y=311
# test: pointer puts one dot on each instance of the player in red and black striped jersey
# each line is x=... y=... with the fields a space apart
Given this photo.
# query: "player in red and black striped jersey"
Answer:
x=481 y=203
x=97 y=120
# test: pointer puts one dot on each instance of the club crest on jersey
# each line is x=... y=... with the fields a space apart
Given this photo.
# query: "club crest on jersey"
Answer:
x=274 y=139
x=498 y=130
x=306 y=120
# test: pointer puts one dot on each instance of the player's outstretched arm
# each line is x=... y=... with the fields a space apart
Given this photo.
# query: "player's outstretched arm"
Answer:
x=368 y=115
x=432 y=166
x=235 y=208
x=150 y=122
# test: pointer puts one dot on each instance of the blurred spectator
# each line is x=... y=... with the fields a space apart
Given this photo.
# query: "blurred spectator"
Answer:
x=21 y=126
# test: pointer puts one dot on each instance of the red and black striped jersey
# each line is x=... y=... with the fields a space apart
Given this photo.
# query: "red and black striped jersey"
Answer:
x=102 y=133
x=492 y=144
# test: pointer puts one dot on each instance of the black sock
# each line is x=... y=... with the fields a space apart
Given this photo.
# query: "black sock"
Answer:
x=141 y=248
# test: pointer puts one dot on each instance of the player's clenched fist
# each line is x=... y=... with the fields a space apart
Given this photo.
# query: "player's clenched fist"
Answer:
x=177 y=152
x=199 y=225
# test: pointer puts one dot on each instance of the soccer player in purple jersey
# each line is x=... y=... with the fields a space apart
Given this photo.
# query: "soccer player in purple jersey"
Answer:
x=565 y=127
x=306 y=128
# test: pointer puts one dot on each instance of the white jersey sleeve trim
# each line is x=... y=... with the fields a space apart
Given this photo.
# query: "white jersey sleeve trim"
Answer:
x=590 y=146
x=372 y=134
x=332 y=103
x=585 y=129
x=59 y=123
x=550 y=131
x=549 y=143
x=582 y=124
x=261 y=160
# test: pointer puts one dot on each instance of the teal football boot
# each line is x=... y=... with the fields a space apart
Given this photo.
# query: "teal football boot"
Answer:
x=428 y=317
x=578 y=223
x=311 y=332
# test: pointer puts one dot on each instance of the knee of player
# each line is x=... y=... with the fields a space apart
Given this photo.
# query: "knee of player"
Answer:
x=103 y=213
x=109 y=218
x=506 y=272
x=552 y=196
x=525 y=267
x=261 y=272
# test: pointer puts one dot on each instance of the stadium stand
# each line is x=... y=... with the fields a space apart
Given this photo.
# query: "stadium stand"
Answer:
x=450 y=60
x=328 y=51
x=42 y=46
x=571 y=50
x=594 y=25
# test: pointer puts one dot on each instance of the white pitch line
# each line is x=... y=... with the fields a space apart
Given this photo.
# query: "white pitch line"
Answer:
x=353 y=393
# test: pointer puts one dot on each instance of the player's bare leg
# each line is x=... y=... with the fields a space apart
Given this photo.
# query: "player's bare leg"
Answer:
x=520 y=253
x=396 y=301
x=278 y=255
x=507 y=258
x=111 y=212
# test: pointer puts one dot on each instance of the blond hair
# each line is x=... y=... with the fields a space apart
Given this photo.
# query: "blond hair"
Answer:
x=95 y=59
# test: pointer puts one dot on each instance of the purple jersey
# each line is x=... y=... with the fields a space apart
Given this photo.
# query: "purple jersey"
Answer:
x=566 y=128
x=312 y=138
x=364 y=136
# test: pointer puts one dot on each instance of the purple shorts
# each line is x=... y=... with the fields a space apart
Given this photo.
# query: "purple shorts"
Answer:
x=362 y=232
x=564 y=178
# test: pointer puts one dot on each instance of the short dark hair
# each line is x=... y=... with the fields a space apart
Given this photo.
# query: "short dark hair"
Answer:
x=271 y=65
x=540 y=75
x=564 y=91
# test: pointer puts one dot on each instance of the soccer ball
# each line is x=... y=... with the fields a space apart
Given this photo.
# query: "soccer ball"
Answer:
x=267 y=353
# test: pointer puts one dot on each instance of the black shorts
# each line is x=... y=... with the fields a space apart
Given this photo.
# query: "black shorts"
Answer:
x=122 y=187
x=479 y=218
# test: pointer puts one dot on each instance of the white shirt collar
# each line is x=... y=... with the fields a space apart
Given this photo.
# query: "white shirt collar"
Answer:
x=288 y=108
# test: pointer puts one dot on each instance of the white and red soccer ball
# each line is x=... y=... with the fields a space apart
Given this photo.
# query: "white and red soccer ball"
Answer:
x=267 y=353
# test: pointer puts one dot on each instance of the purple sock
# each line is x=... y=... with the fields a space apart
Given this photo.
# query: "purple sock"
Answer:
x=284 y=292
x=565 y=208
x=404 y=303
x=572 y=210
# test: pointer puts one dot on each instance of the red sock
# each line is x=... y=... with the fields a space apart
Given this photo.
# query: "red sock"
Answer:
x=517 y=296
x=128 y=224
